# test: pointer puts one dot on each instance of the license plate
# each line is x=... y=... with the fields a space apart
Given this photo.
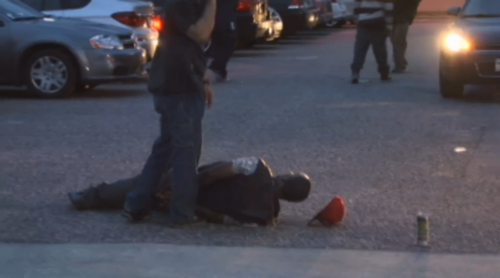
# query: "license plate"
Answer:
x=497 y=65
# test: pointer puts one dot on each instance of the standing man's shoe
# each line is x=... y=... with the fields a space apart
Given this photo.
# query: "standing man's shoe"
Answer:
x=355 y=78
x=385 y=77
x=398 y=71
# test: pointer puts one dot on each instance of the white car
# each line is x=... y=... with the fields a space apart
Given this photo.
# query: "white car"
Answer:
x=138 y=16
x=343 y=12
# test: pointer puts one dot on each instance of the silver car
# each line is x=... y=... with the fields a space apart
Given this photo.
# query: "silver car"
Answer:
x=131 y=14
x=54 y=57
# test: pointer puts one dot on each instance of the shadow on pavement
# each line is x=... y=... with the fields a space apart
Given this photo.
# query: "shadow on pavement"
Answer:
x=116 y=91
x=251 y=53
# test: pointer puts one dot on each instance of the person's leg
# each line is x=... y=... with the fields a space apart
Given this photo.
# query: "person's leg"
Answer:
x=139 y=202
x=225 y=43
x=103 y=196
x=379 y=44
x=186 y=139
x=399 y=45
x=361 y=47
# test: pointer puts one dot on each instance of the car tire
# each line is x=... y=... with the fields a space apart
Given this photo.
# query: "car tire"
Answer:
x=340 y=24
x=50 y=73
x=449 y=88
x=332 y=23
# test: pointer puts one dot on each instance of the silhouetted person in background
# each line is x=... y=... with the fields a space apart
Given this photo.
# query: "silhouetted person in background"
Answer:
x=224 y=38
x=404 y=14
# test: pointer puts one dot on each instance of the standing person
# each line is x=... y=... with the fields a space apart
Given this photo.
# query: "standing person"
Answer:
x=180 y=91
x=404 y=14
x=373 y=27
x=224 y=38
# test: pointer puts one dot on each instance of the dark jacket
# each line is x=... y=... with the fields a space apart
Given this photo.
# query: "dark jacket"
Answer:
x=405 y=11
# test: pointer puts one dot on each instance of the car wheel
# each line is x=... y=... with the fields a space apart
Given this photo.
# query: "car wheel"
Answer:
x=277 y=23
x=50 y=73
x=340 y=24
x=449 y=88
x=332 y=23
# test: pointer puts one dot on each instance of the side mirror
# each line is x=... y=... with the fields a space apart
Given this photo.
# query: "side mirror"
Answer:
x=454 y=11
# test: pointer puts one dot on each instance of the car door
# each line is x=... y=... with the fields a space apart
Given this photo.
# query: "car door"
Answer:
x=6 y=51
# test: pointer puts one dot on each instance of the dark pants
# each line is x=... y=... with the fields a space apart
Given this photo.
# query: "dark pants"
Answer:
x=399 y=45
x=177 y=149
x=113 y=195
x=376 y=38
x=223 y=45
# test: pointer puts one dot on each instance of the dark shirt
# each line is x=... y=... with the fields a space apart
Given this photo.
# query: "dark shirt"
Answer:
x=225 y=17
x=247 y=198
x=179 y=62
x=405 y=11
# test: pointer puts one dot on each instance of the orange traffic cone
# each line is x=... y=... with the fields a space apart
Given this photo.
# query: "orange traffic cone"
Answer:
x=332 y=214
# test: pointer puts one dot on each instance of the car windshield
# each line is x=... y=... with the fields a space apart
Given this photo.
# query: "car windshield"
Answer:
x=482 y=8
x=16 y=10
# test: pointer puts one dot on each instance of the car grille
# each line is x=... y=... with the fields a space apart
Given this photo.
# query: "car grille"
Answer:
x=487 y=69
x=128 y=41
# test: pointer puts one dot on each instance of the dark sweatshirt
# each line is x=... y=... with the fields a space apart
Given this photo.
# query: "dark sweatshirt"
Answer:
x=405 y=11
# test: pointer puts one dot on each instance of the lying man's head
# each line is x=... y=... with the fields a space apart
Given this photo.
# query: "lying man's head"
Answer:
x=293 y=187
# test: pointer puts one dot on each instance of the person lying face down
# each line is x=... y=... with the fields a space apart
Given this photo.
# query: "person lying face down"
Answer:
x=244 y=190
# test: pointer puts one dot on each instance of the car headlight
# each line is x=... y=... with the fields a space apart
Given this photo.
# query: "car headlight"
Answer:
x=455 y=42
x=106 y=42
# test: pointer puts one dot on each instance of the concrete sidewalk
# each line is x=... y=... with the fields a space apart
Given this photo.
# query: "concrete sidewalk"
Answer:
x=155 y=260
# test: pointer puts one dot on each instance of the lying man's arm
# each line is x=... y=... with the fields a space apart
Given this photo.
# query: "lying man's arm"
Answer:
x=228 y=169
x=183 y=15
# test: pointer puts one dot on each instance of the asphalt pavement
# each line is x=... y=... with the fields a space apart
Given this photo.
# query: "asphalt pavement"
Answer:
x=390 y=149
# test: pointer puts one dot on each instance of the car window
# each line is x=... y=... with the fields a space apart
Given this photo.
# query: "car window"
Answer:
x=35 y=4
x=482 y=7
x=75 y=4
x=17 y=10
x=52 y=5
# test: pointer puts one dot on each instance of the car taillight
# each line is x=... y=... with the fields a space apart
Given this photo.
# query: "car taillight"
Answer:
x=157 y=23
x=131 y=19
x=334 y=1
x=245 y=5
x=297 y=4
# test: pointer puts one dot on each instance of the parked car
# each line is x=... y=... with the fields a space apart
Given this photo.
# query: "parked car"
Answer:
x=277 y=24
x=349 y=5
x=135 y=15
x=325 y=12
x=295 y=14
x=339 y=14
x=470 y=52
x=54 y=57
x=253 y=22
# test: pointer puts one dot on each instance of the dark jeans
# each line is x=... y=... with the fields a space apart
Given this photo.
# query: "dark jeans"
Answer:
x=376 y=38
x=399 y=45
x=223 y=45
x=177 y=149
x=113 y=195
